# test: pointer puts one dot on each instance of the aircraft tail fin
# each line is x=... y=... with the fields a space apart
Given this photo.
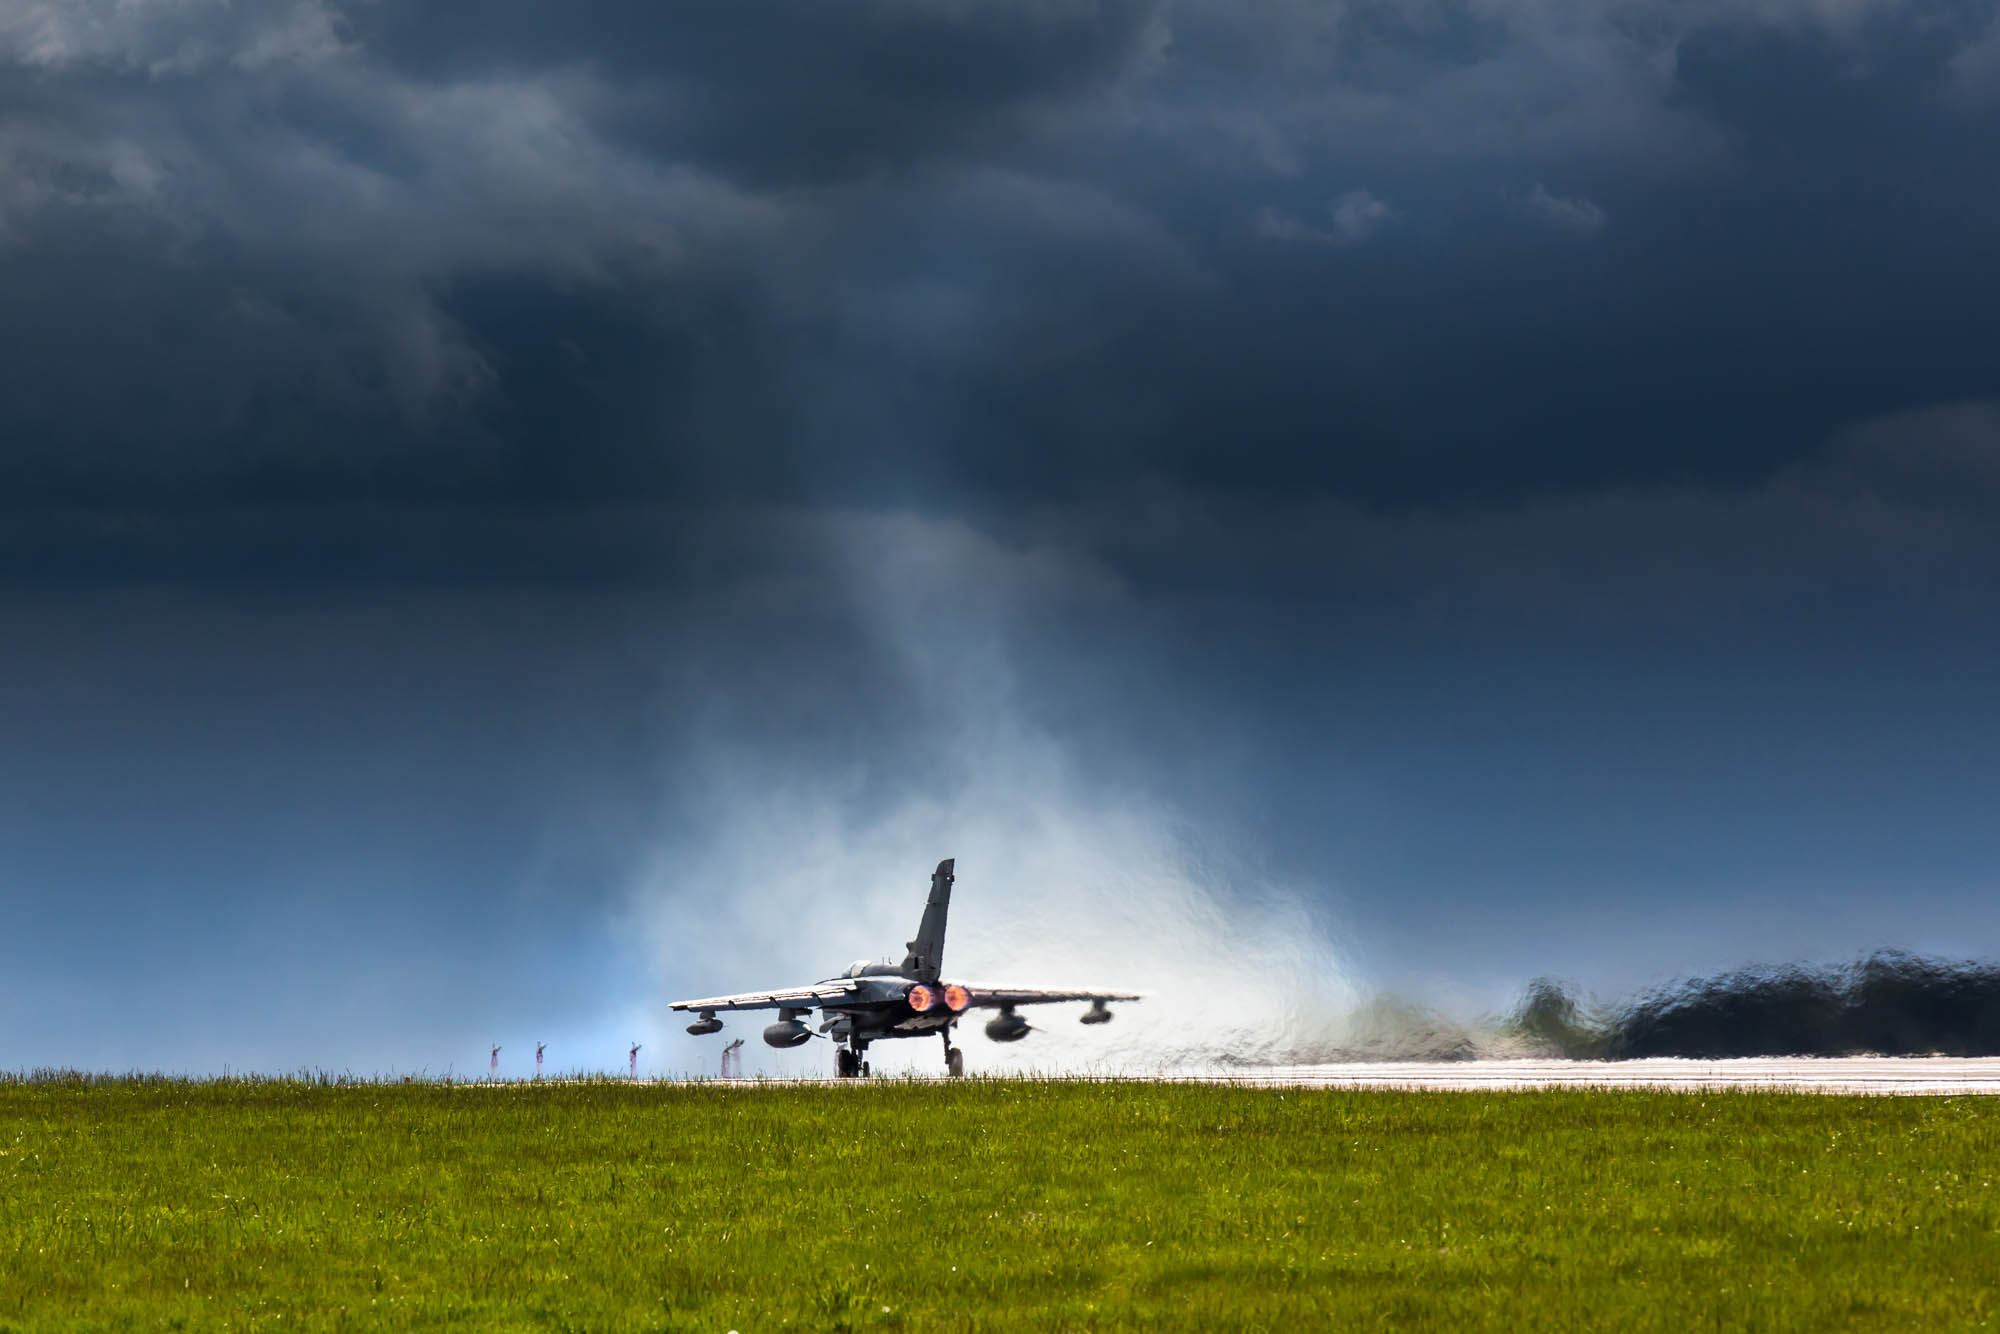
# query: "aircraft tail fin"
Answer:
x=926 y=956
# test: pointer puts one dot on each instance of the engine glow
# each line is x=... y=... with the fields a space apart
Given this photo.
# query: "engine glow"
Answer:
x=956 y=998
x=921 y=998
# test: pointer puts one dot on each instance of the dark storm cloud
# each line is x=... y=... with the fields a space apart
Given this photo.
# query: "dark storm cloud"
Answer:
x=392 y=252
x=791 y=92
x=216 y=294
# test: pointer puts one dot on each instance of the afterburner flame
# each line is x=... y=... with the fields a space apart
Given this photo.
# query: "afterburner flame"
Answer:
x=956 y=998
x=921 y=998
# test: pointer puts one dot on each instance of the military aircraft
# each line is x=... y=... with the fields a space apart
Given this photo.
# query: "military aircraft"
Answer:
x=872 y=1001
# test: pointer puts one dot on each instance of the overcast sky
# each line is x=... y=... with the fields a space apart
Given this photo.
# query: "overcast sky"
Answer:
x=511 y=514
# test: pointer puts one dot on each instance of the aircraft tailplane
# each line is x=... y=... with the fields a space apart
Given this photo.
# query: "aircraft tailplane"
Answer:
x=926 y=956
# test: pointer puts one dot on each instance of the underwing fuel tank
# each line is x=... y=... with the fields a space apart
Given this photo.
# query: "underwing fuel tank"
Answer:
x=1006 y=1027
x=1098 y=1013
x=705 y=1025
x=787 y=1033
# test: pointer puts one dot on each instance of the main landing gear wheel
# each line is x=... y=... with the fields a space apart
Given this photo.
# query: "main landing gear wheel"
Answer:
x=847 y=1064
x=954 y=1062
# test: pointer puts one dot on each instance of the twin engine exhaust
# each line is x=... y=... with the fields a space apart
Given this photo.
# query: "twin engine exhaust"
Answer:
x=953 y=997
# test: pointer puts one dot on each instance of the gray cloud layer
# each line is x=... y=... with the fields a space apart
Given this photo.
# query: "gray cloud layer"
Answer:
x=384 y=250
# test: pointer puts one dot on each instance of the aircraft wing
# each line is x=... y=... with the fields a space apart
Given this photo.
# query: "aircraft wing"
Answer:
x=818 y=995
x=993 y=997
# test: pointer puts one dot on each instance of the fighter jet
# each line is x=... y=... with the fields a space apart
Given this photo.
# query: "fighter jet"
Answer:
x=872 y=1001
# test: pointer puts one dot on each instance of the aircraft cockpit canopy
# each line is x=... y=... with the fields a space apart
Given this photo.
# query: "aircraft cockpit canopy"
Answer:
x=856 y=969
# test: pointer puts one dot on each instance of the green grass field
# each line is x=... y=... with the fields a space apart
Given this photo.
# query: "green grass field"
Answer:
x=153 y=1204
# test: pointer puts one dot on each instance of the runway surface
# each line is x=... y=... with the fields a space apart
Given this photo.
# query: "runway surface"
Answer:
x=1845 y=1074
x=1932 y=1075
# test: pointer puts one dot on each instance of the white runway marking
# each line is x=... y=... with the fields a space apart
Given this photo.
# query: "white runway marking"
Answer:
x=1840 y=1074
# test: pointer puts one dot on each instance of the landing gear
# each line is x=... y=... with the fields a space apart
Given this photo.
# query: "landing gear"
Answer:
x=848 y=1062
x=954 y=1059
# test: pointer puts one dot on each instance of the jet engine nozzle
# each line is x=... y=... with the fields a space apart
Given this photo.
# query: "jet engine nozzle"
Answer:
x=1007 y=1027
x=956 y=998
x=787 y=1033
x=705 y=1025
x=921 y=998
x=1098 y=1013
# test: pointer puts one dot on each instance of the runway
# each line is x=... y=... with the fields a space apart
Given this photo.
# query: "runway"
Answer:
x=1935 y=1076
x=1845 y=1074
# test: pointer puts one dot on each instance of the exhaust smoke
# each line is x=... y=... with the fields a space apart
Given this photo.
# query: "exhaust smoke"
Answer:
x=787 y=871
x=1888 y=1004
